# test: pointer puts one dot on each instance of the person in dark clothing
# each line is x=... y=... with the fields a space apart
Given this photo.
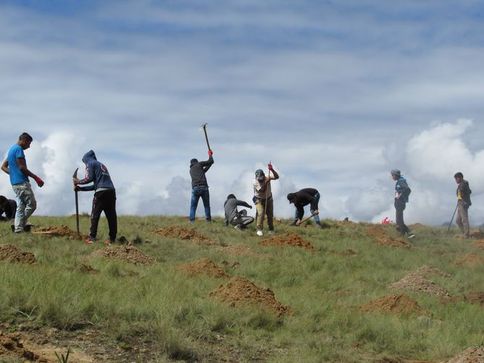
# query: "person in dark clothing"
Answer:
x=302 y=198
x=104 y=196
x=238 y=219
x=463 y=203
x=7 y=207
x=402 y=191
x=200 y=186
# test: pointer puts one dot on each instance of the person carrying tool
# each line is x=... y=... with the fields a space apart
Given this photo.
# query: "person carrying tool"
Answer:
x=463 y=203
x=232 y=216
x=263 y=199
x=200 y=186
x=16 y=166
x=7 y=207
x=302 y=198
x=402 y=191
x=104 y=196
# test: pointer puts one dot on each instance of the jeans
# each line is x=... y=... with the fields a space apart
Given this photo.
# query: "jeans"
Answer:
x=198 y=192
x=26 y=204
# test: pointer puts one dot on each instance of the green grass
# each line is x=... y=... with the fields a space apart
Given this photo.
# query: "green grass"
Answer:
x=173 y=313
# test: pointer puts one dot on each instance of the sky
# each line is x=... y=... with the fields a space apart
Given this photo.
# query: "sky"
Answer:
x=334 y=93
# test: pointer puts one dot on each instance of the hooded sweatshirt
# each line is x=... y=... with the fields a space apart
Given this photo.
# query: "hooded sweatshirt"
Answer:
x=230 y=207
x=198 y=170
x=302 y=198
x=97 y=173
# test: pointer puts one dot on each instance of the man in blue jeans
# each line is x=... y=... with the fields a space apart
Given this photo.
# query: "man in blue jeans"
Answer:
x=16 y=167
x=200 y=186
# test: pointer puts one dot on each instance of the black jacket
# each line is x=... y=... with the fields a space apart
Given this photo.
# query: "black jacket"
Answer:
x=9 y=208
x=230 y=207
x=198 y=170
x=465 y=192
x=304 y=197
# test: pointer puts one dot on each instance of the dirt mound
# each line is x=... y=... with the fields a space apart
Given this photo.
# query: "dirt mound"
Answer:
x=202 y=267
x=290 y=239
x=58 y=231
x=470 y=355
x=125 y=253
x=11 y=344
x=417 y=281
x=427 y=271
x=470 y=260
x=479 y=244
x=381 y=236
x=187 y=234
x=396 y=304
x=475 y=298
x=240 y=291
x=477 y=235
x=239 y=250
x=12 y=253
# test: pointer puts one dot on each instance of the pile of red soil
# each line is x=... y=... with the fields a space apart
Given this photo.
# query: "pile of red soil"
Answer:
x=470 y=355
x=417 y=281
x=241 y=292
x=475 y=298
x=479 y=244
x=470 y=260
x=290 y=239
x=58 y=231
x=12 y=253
x=202 y=267
x=188 y=234
x=11 y=345
x=381 y=236
x=396 y=304
x=125 y=253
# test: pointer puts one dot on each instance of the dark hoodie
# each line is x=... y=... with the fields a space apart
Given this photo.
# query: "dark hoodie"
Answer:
x=96 y=172
x=198 y=170
x=302 y=198
x=230 y=207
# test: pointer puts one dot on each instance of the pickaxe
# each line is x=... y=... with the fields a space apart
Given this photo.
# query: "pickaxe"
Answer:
x=204 y=127
x=315 y=213
x=74 y=177
x=452 y=219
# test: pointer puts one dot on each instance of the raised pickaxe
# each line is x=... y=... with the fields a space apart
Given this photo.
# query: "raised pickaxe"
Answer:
x=74 y=177
x=315 y=213
x=204 y=127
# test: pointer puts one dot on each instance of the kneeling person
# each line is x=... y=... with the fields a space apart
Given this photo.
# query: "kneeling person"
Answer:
x=7 y=207
x=302 y=198
x=233 y=216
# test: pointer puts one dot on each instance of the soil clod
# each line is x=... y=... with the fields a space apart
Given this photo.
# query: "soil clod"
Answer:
x=58 y=231
x=396 y=304
x=290 y=239
x=203 y=266
x=125 y=253
x=12 y=253
x=417 y=281
x=187 y=234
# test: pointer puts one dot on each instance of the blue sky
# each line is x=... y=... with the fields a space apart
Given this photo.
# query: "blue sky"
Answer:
x=335 y=93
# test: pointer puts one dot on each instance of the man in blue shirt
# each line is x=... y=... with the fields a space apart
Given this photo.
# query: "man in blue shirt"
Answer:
x=402 y=191
x=16 y=166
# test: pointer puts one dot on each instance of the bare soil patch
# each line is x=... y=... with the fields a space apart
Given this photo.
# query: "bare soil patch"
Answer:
x=470 y=260
x=479 y=244
x=240 y=292
x=58 y=231
x=470 y=355
x=203 y=266
x=475 y=298
x=239 y=250
x=417 y=281
x=382 y=237
x=186 y=234
x=125 y=253
x=12 y=253
x=396 y=304
x=11 y=345
x=290 y=239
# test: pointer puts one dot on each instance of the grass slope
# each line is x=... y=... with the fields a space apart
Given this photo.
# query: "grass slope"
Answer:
x=157 y=313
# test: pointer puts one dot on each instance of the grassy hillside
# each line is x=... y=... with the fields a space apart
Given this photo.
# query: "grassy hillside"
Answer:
x=333 y=298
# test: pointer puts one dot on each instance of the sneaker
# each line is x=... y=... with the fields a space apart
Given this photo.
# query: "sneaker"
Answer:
x=410 y=236
x=259 y=233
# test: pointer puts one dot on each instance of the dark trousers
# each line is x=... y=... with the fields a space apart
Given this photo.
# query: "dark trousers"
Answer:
x=399 y=208
x=104 y=200
x=197 y=193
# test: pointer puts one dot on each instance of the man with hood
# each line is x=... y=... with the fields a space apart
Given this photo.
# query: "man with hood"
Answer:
x=238 y=219
x=7 y=207
x=104 y=196
x=263 y=199
x=463 y=203
x=200 y=186
x=302 y=198
x=15 y=166
x=402 y=191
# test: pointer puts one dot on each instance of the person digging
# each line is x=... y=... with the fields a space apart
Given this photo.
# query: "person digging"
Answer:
x=463 y=203
x=263 y=199
x=104 y=196
x=302 y=198
x=238 y=219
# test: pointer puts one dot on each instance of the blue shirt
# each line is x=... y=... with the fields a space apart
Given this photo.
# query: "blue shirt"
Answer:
x=16 y=175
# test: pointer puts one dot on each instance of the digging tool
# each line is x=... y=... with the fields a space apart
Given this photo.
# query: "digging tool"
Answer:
x=452 y=219
x=74 y=176
x=204 y=127
x=315 y=213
